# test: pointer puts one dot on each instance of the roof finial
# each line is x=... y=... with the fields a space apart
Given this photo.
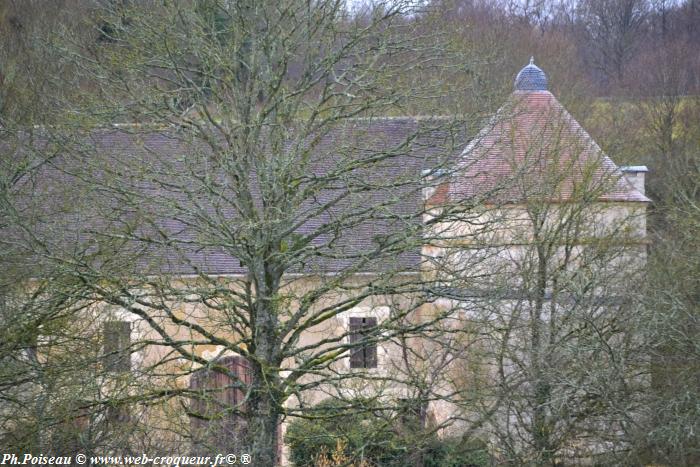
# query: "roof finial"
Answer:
x=531 y=78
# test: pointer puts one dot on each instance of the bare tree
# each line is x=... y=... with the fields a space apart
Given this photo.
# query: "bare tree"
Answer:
x=667 y=108
x=613 y=29
x=672 y=329
x=250 y=201
x=52 y=363
x=554 y=331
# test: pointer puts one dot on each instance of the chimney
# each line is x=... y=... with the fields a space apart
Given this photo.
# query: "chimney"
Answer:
x=436 y=187
x=635 y=175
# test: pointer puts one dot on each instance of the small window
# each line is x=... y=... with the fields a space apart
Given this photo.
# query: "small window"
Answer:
x=363 y=354
x=117 y=340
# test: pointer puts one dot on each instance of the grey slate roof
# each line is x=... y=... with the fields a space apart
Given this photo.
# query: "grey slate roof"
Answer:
x=139 y=156
x=531 y=78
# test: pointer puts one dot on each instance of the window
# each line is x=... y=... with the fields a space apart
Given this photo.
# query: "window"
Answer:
x=117 y=340
x=363 y=354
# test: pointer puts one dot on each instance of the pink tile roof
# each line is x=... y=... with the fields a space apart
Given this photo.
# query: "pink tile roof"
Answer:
x=533 y=149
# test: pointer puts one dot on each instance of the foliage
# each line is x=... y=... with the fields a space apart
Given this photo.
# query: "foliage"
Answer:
x=368 y=435
x=456 y=452
x=362 y=431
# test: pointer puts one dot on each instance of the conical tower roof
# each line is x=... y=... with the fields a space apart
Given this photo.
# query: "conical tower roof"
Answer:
x=534 y=149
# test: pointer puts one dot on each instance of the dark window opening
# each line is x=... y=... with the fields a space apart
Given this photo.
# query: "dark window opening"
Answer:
x=362 y=354
x=117 y=340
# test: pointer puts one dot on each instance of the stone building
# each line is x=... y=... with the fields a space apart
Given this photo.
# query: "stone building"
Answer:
x=522 y=228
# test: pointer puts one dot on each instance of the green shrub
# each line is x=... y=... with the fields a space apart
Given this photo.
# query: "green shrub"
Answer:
x=372 y=436
x=359 y=426
x=456 y=452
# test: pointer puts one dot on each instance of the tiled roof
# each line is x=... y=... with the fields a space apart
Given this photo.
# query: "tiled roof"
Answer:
x=510 y=160
x=534 y=149
x=161 y=164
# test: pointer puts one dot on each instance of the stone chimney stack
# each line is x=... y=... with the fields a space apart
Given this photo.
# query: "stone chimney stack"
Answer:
x=635 y=174
x=436 y=187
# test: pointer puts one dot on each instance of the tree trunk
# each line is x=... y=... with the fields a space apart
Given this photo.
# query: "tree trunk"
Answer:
x=262 y=438
x=540 y=424
x=266 y=395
